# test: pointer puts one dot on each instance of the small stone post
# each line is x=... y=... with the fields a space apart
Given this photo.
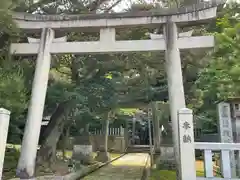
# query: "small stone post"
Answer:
x=187 y=169
x=4 y=123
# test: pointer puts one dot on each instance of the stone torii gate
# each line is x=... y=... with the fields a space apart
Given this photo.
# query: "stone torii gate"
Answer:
x=171 y=43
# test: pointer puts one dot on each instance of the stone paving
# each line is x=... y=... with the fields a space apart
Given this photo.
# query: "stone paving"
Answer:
x=128 y=167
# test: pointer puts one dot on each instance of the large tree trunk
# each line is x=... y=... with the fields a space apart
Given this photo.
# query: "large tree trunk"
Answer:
x=47 y=152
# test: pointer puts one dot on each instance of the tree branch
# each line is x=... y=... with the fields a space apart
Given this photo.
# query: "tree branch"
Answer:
x=112 y=6
x=95 y=5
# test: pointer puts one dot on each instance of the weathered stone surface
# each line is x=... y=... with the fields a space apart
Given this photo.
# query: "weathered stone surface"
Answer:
x=167 y=152
x=83 y=154
x=166 y=160
x=84 y=149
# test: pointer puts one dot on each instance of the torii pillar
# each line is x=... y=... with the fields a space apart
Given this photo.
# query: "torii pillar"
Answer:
x=26 y=164
x=173 y=62
x=175 y=83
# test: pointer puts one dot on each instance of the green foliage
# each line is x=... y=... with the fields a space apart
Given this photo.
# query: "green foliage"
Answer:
x=12 y=90
x=219 y=80
x=7 y=26
x=13 y=95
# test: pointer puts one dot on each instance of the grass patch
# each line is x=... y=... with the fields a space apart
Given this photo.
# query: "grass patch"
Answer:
x=168 y=175
x=171 y=175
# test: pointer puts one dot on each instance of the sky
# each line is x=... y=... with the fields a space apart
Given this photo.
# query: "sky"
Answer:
x=127 y=3
x=122 y=5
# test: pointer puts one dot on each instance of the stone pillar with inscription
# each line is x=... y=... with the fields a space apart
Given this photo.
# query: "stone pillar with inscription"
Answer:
x=186 y=145
x=225 y=132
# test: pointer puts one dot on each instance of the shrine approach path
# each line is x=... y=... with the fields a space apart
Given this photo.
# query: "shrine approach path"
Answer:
x=128 y=167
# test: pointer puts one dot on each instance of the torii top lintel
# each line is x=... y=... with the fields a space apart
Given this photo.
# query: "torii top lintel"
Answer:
x=200 y=12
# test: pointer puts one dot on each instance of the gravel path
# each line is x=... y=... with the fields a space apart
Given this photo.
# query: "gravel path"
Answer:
x=128 y=167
